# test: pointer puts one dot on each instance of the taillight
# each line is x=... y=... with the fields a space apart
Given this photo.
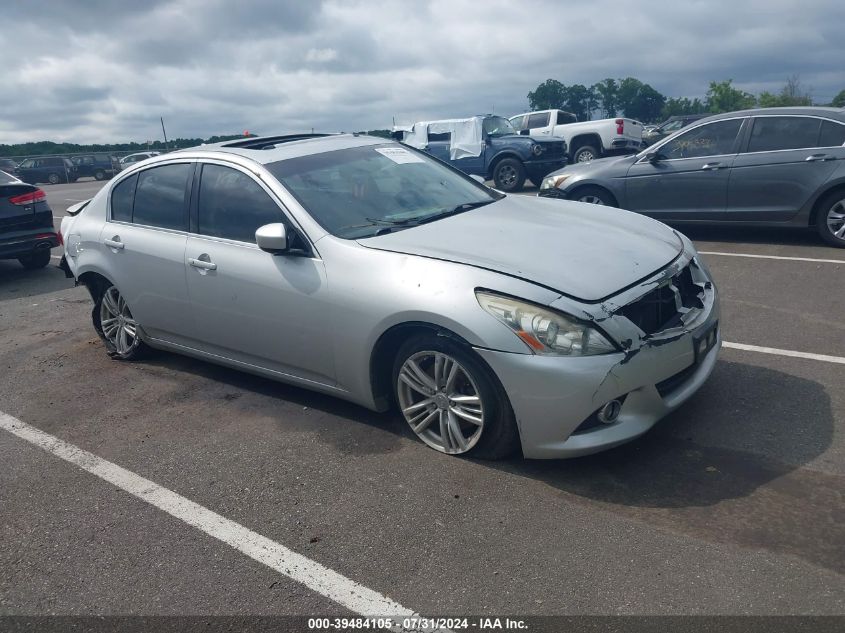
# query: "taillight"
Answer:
x=29 y=198
x=620 y=126
x=61 y=237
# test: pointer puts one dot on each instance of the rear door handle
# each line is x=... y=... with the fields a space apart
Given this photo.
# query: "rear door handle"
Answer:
x=711 y=166
x=815 y=157
x=114 y=243
x=199 y=263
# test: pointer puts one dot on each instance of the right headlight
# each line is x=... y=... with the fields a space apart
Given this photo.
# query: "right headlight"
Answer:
x=545 y=331
x=552 y=182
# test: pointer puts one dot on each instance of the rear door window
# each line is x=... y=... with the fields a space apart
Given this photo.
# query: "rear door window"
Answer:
x=565 y=118
x=160 y=196
x=540 y=119
x=232 y=205
x=122 y=199
x=772 y=133
x=832 y=134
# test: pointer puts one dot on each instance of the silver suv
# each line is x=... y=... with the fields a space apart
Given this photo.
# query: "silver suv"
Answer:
x=370 y=271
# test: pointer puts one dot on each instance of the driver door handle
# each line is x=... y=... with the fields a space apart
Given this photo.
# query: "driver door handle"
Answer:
x=711 y=166
x=114 y=243
x=199 y=263
x=814 y=157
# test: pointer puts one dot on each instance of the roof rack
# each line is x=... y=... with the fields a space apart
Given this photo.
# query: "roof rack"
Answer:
x=269 y=142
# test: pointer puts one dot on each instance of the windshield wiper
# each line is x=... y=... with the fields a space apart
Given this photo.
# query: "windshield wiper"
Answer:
x=466 y=206
x=391 y=222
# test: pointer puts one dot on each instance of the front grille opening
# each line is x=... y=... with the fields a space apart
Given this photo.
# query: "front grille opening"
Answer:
x=659 y=309
x=665 y=387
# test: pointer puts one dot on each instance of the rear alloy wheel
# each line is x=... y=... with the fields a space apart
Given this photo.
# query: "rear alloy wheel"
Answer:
x=451 y=402
x=39 y=259
x=585 y=154
x=53 y=179
x=831 y=219
x=116 y=326
x=99 y=174
x=509 y=175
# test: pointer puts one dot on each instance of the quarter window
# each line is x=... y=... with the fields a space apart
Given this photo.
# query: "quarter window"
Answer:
x=160 y=196
x=232 y=205
x=565 y=118
x=541 y=119
x=122 y=199
x=832 y=135
x=773 y=133
x=713 y=139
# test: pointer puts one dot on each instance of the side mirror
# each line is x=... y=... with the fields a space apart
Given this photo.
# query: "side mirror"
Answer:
x=652 y=157
x=272 y=238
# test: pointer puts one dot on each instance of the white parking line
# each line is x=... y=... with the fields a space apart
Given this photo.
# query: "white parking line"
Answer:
x=297 y=567
x=793 y=259
x=55 y=257
x=785 y=352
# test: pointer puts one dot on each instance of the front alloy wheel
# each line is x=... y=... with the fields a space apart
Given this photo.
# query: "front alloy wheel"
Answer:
x=441 y=402
x=452 y=400
x=117 y=326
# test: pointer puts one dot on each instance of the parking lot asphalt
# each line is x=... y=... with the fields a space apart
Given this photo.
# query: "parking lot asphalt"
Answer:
x=735 y=504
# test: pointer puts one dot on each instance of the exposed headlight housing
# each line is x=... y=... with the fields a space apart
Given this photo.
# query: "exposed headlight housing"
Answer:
x=544 y=331
x=537 y=149
x=554 y=181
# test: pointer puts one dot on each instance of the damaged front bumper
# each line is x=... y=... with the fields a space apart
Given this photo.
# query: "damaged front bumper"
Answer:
x=556 y=398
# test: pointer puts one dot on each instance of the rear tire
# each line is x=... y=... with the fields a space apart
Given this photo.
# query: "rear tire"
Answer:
x=830 y=221
x=53 y=179
x=116 y=326
x=585 y=154
x=456 y=394
x=99 y=175
x=39 y=259
x=509 y=175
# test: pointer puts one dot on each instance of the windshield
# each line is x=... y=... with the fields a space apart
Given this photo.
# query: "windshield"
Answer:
x=364 y=191
x=498 y=126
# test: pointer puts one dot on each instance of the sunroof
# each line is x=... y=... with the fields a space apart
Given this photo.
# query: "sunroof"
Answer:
x=269 y=142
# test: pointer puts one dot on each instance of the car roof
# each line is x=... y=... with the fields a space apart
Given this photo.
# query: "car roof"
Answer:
x=830 y=113
x=270 y=149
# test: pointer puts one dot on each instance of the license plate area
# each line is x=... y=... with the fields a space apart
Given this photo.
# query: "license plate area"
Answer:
x=705 y=341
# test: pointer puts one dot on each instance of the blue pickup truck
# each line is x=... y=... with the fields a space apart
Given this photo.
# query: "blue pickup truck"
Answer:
x=488 y=146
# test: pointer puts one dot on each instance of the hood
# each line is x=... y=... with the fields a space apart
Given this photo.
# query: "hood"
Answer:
x=585 y=251
x=611 y=162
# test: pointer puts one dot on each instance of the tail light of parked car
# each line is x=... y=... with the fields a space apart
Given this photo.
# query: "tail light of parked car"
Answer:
x=620 y=126
x=29 y=198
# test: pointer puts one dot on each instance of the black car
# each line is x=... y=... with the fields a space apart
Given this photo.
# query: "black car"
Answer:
x=52 y=169
x=669 y=126
x=9 y=166
x=26 y=223
x=97 y=166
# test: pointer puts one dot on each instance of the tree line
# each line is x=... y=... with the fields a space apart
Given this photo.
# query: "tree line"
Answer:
x=637 y=100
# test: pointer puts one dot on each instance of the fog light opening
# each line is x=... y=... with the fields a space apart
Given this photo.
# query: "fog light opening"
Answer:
x=609 y=413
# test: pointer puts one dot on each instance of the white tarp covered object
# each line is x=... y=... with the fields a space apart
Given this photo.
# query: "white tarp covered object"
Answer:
x=465 y=134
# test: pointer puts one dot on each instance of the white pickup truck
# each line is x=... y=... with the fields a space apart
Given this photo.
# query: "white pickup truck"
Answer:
x=586 y=139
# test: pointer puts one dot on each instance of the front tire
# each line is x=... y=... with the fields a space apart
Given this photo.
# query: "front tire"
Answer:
x=452 y=400
x=99 y=175
x=509 y=175
x=594 y=195
x=831 y=219
x=53 y=179
x=38 y=259
x=116 y=326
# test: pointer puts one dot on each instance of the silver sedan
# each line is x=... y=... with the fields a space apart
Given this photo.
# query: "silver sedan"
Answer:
x=369 y=271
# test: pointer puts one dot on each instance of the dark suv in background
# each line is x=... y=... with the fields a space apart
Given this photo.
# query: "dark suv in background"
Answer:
x=9 y=166
x=52 y=169
x=26 y=223
x=97 y=166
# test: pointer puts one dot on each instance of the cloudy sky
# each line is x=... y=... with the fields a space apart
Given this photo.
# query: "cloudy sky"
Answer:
x=105 y=70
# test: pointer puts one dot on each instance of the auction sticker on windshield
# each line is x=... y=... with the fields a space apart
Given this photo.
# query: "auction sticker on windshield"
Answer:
x=399 y=155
